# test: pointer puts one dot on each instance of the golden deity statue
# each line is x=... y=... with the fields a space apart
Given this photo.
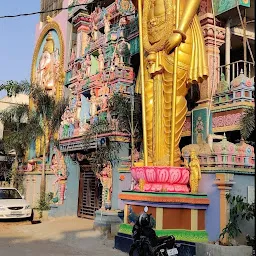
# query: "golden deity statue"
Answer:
x=173 y=59
x=195 y=172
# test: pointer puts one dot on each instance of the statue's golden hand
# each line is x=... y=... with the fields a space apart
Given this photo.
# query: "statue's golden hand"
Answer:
x=174 y=40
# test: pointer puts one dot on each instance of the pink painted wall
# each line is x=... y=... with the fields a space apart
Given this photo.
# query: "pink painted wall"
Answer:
x=62 y=20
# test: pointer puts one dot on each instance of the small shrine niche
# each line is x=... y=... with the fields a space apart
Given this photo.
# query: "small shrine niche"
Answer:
x=243 y=88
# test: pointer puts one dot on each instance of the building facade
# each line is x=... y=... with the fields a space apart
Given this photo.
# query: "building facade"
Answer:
x=96 y=46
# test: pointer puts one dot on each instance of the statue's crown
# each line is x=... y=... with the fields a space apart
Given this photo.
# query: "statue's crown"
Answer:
x=49 y=45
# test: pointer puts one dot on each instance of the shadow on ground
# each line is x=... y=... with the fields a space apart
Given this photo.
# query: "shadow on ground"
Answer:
x=44 y=240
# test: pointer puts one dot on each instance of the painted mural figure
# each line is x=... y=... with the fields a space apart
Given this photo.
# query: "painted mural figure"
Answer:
x=93 y=105
x=70 y=122
x=106 y=25
x=78 y=106
x=73 y=54
x=105 y=177
x=199 y=130
x=116 y=60
x=88 y=64
x=48 y=67
x=195 y=172
x=58 y=166
x=95 y=32
x=64 y=123
x=123 y=49
x=101 y=61
x=105 y=94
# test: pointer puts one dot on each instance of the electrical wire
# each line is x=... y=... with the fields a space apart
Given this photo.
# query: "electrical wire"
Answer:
x=57 y=9
x=42 y=12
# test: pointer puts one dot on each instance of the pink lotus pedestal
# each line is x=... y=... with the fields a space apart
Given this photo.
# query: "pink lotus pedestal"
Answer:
x=161 y=178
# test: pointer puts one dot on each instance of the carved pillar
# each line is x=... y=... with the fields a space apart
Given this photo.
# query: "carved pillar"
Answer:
x=224 y=181
x=82 y=24
x=82 y=34
x=214 y=37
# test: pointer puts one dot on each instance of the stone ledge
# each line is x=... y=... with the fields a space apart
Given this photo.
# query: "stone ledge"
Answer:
x=203 y=249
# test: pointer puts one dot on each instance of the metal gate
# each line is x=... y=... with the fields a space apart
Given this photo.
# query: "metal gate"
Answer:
x=90 y=193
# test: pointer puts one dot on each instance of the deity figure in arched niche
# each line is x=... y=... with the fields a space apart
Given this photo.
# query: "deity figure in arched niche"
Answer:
x=47 y=71
x=101 y=61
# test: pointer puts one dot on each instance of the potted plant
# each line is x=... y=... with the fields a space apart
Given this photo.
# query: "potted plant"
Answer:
x=43 y=206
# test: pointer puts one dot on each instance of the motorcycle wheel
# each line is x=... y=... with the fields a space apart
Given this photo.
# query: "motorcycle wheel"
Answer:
x=140 y=252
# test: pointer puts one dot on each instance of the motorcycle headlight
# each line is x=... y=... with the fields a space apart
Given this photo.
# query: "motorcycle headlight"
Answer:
x=27 y=207
x=2 y=208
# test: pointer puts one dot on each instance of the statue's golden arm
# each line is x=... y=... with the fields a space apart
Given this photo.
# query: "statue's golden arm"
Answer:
x=190 y=10
x=179 y=35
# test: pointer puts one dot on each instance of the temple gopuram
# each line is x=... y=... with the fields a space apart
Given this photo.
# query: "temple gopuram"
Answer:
x=192 y=93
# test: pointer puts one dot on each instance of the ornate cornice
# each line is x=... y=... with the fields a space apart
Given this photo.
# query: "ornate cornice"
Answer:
x=210 y=31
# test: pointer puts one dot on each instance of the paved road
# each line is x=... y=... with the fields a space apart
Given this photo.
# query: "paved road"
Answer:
x=67 y=236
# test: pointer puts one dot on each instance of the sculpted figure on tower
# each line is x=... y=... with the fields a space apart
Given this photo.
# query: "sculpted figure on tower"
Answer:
x=161 y=35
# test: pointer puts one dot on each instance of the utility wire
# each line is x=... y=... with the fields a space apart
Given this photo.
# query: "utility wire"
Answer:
x=58 y=9
x=41 y=12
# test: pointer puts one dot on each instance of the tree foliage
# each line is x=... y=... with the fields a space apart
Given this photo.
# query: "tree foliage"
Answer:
x=120 y=107
x=239 y=210
x=101 y=154
x=22 y=127
x=13 y=87
x=48 y=110
x=25 y=124
x=247 y=123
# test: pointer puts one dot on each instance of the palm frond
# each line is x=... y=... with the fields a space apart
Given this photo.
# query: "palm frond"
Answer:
x=14 y=114
x=59 y=109
x=247 y=123
x=13 y=87
x=44 y=102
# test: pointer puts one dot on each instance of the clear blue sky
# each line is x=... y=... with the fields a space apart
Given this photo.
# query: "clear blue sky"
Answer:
x=17 y=39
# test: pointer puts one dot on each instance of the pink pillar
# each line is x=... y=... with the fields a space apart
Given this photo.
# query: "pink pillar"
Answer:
x=214 y=37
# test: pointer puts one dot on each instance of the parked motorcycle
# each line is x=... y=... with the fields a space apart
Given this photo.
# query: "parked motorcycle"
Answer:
x=146 y=242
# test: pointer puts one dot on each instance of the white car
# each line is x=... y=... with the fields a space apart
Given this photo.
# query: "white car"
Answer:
x=13 y=205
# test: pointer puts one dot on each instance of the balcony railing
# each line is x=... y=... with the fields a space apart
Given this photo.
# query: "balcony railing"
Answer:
x=233 y=70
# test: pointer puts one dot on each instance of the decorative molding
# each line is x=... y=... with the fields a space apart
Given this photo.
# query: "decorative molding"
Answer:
x=226 y=120
x=168 y=198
